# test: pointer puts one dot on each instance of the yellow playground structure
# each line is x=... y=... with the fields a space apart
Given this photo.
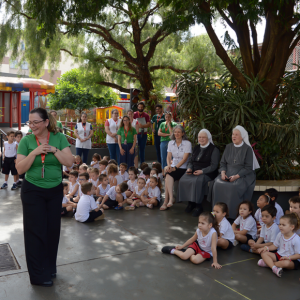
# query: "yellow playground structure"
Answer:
x=104 y=113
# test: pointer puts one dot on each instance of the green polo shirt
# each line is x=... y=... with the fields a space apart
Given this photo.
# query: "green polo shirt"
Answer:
x=163 y=127
x=157 y=124
x=58 y=124
x=130 y=135
x=53 y=173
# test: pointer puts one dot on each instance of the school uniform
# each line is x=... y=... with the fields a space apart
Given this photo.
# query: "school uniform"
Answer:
x=287 y=247
x=225 y=228
x=136 y=189
x=10 y=151
x=94 y=182
x=258 y=217
x=131 y=185
x=269 y=234
x=111 y=201
x=103 y=191
x=64 y=209
x=154 y=193
x=85 y=209
x=118 y=177
x=94 y=164
x=248 y=224
x=203 y=244
x=124 y=176
x=72 y=187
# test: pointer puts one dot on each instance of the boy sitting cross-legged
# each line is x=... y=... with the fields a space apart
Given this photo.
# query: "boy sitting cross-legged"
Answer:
x=115 y=197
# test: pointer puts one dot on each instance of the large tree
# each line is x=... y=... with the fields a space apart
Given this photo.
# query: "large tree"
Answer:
x=281 y=34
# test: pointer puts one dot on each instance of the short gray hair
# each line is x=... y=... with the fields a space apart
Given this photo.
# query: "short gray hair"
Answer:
x=184 y=137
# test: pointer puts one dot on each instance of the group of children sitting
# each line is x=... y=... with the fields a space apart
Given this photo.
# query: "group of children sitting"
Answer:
x=91 y=190
x=269 y=233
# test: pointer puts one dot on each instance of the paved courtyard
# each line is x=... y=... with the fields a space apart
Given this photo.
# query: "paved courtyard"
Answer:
x=120 y=258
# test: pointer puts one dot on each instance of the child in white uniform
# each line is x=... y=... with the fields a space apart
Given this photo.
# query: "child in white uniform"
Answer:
x=73 y=184
x=295 y=208
x=115 y=197
x=262 y=201
x=95 y=161
x=287 y=244
x=67 y=206
x=135 y=198
x=202 y=245
x=226 y=238
x=113 y=175
x=132 y=182
x=151 y=195
x=247 y=224
x=124 y=174
x=273 y=194
x=102 y=188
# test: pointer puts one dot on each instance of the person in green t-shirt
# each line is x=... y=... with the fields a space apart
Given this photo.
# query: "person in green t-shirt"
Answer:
x=58 y=123
x=156 y=121
x=164 y=131
x=41 y=155
x=127 y=136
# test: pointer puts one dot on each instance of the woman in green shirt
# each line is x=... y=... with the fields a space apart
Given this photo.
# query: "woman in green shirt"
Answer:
x=40 y=156
x=127 y=140
x=164 y=131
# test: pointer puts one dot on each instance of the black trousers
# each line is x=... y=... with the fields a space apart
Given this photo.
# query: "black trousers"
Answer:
x=93 y=216
x=41 y=219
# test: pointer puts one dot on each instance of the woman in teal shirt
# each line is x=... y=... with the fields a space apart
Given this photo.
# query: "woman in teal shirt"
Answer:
x=165 y=130
x=127 y=140
x=40 y=156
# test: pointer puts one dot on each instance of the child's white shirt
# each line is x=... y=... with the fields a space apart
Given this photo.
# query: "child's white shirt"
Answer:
x=125 y=176
x=103 y=191
x=79 y=191
x=205 y=241
x=160 y=176
x=279 y=213
x=94 y=182
x=112 y=193
x=103 y=172
x=258 y=217
x=65 y=200
x=131 y=185
x=287 y=247
x=227 y=231
x=72 y=187
x=118 y=177
x=10 y=150
x=248 y=224
x=269 y=234
x=85 y=204
x=154 y=193
x=94 y=164
x=136 y=189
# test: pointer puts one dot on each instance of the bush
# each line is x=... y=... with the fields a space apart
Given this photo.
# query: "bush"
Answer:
x=221 y=105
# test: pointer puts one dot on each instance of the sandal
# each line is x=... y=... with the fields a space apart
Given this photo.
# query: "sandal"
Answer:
x=150 y=205
x=142 y=204
x=170 y=204
x=131 y=207
x=164 y=207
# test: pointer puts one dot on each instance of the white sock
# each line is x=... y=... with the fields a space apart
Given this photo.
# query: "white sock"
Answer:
x=15 y=182
x=18 y=180
x=274 y=267
x=5 y=182
x=172 y=251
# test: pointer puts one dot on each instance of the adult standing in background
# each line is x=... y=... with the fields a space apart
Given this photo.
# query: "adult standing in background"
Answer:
x=40 y=156
x=111 y=127
x=135 y=125
x=83 y=132
x=165 y=131
x=144 y=123
x=157 y=120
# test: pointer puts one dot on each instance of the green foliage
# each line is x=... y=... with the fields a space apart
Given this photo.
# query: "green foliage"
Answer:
x=72 y=92
x=220 y=106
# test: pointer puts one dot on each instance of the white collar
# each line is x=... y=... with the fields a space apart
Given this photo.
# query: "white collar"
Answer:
x=240 y=145
x=205 y=146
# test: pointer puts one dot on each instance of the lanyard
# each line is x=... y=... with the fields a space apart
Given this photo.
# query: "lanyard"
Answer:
x=43 y=155
x=84 y=126
x=158 y=119
x=166 y=128
x=125 y=133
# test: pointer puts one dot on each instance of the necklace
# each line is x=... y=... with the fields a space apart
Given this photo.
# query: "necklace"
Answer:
x=236 y=154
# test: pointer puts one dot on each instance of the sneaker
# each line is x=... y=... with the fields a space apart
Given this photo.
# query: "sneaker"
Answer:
x=14 y=187
x=100 y=217
x=118 y=207
x=19 y=183
x=235 y=242
x=262 y=264
x=245 y=247
x=277 y=271
x=167 y=249
x=4 y=186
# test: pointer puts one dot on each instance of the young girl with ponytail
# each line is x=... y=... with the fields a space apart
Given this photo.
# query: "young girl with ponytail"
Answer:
x=202 y=245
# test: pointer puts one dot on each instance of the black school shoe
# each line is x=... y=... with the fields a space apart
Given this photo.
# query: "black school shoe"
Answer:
x=167 y=249
x=44 y=284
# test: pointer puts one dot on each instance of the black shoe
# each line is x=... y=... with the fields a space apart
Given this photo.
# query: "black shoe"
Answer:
x=53 y=275
x=19 y=183
x=45 y=283
x=197 y=211
x=190 y=207
x=167 y=249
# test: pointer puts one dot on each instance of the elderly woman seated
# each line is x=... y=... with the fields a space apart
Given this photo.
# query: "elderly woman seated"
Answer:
x=237 y=179
x=202 y=168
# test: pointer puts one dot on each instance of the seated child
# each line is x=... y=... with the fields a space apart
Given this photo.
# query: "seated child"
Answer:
x=95 y=160
x=158 y=167
x=73 y=184
x=247 y=224
x=295 y=207
x=94 y=176
x=78 y=160
x=132 y=182
x=102 y=166
x=202 y=245
x=66 y=204
x=75 y=168
x=83 y=178
x=262 y=201
x=273 y=194
x=102 y=188
x=113 y=175
x=153 y=172
x=287 y=244
x=123 y=173
x=83 y=169
x=143 y=166
x=106 y=158
x=135 y=198
x=115 y=197
x=146 y=173
x=268 y=233
x=151 y=196
x=226 y=237
x=113 y=161
x=87 y=210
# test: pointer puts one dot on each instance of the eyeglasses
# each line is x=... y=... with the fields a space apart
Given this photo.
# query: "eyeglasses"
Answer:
x=81 y=179
x=34 y=122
